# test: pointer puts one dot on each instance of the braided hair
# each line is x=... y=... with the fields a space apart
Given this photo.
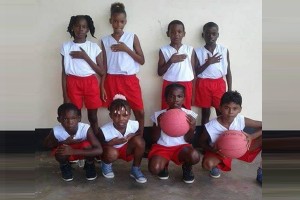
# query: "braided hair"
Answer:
x=75 y=19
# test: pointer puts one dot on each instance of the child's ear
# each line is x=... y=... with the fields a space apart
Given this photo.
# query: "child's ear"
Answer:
x=79 y=118
x=202 y=35
x=167 y=34
x=110 y=20
x=58 y=119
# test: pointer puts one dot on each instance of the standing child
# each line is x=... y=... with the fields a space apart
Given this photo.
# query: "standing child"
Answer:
x=81 y=60
x=176 y=63
x=73 y=140
x=230 y=119
x=122 y=57
x=212 y=65
x=169 y=148
x=120 y=140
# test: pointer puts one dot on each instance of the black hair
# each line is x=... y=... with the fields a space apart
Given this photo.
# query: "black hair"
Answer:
x=178 y=22
x=209 y=25
x=173 y=86
x=117 y=8
x=231 y=96
x=117 y=104
x=63 y=108
x=73 y=21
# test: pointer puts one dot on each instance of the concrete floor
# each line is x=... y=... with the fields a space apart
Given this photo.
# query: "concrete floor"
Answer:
x=238 y=184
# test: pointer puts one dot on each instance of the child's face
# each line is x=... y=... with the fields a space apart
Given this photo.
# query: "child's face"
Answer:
x=118 y=22
x=120 y=117
x=230 y=110
x=175 y=98
x=80 y=29
x=69 y=120
x=210 y=35
x=176 y=33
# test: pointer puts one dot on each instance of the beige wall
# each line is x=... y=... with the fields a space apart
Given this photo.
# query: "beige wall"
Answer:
x=33 y=31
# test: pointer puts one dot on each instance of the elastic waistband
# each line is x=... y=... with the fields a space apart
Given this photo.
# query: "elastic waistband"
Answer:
x=211 y=79
x=81 y=77
x=121 y=75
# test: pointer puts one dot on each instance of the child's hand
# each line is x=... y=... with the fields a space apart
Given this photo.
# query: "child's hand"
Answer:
x=119 y=47
x=103 y=95
x=192 y=121
x=214 y=59
x=158 y=119
x=64 y=150
x=117 y=140
x=78 y=54
x=219 y=152
x=175 y=58
x=249 y=139
x=129 y=136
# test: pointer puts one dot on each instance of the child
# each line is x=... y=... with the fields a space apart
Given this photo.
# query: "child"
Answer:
x=120 y=140
x=169 y=148
x=230 y=119
x=176 y=63
x=211 y=66
x=122 y=56
x=73 y=140
x=81 y=60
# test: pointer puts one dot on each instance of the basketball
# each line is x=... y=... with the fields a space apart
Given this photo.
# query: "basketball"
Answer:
x=232 y=143
x=174 y=123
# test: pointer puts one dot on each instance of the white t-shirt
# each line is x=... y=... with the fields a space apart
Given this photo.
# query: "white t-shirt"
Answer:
x=120 y=62
x=166 y=140
x=213 y=71
x=215 y=129
x=181 y=71
x=61 y=134
x=75 y=66
x=110 y=132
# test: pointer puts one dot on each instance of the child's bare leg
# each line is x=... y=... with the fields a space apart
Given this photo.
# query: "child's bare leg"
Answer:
x=110 y=154
x=62 y=159
x=140 y=117
x=136 y=146
x=156 y=164
x=93 y=119
x=256 y=144
x=189 y=156
x=210 y=162
x=205 y=115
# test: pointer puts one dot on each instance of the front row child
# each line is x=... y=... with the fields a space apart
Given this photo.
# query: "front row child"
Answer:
x=120 y=140
x=230 y=119
x=73 y=140
x=169 y=148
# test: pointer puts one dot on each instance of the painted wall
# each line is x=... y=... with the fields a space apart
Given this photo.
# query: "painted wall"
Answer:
x=33 y=31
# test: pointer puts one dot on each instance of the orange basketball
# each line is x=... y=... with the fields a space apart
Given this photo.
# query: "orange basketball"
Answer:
x=174 y=123
x=232 y=143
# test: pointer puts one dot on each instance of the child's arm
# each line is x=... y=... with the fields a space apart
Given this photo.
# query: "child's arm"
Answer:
x=210 y=60
x=188 y=137
x=97 y=67
x=254 y=124
x=103 y=92
x=163 y=66
x=94 y=151
x=136 y=55
x=228 y=75
x=50 y=141
x=205 y=140
x=64 y=82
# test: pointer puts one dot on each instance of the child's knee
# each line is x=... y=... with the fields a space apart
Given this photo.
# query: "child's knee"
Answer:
x=208 y=164
x=154 y=168
x=195 y=157
x=138 y=142
x=110 y=155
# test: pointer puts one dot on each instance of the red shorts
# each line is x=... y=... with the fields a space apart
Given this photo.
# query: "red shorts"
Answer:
x=127 y=85
x=225 y=164
x=122 y=153
x=85 y=89
x=169 y=153
x=81 y=145
x=209 y=92
x=188 y=93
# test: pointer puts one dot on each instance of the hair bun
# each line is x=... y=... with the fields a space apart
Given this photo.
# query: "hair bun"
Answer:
x=119 y=96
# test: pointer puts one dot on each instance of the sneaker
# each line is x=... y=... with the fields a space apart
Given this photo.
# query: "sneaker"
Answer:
x=66 y=172
x=163 y=174
x=259 y=175
x=215 y=172
x=107 y=170
x=137 y=175
x=90 y=171
x=187 y=174
x=98 y=159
